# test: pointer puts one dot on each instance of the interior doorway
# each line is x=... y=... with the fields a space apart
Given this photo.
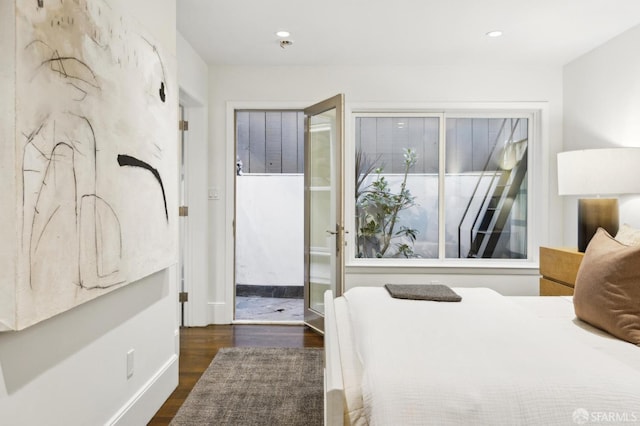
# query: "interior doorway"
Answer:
x=269 y=216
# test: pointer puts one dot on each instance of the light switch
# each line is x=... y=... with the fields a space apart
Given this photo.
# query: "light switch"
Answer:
x=130 y=363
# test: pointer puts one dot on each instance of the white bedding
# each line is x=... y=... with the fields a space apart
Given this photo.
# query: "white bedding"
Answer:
x=485 y=360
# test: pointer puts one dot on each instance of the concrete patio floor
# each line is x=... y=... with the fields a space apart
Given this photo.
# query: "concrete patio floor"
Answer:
x=269 y=309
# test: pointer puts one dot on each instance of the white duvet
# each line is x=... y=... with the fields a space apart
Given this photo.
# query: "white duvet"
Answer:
x=482 y=361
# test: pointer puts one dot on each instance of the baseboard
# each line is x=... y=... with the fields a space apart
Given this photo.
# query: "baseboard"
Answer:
x=148 y=400
x=219 y=313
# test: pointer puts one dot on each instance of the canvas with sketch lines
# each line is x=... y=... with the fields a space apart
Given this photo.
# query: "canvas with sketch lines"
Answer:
x=95 y=155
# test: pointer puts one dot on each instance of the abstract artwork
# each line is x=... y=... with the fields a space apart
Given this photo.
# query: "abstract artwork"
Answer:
x=94 y=174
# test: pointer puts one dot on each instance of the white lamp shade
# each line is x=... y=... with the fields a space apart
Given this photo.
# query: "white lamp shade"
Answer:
x=599 y=171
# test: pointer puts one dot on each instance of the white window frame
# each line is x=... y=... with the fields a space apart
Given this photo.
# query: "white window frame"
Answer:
x=537 y=178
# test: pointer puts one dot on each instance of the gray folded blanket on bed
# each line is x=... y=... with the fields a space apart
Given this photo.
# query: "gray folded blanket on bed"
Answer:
x=435 y=292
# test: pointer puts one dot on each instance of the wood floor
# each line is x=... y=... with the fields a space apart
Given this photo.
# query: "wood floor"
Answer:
x=198 y=346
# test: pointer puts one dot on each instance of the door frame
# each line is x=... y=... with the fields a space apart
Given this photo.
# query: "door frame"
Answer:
x=222 y=307
x=221 y=304
x=196 y=250
x=253 y=320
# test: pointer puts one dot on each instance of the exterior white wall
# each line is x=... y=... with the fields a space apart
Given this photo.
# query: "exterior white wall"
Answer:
x=193 y=78
x=240 y=86
x=71 y=369
x=270 y=225
x=602 y=110
x=270 y=230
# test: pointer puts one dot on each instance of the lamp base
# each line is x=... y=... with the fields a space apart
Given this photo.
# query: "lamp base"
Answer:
x=594 y=213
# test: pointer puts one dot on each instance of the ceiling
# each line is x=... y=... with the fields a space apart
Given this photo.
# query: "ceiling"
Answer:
x=401 y=32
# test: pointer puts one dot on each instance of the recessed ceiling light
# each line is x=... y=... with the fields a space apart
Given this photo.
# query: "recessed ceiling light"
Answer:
x=283 y=34
x=494 y=33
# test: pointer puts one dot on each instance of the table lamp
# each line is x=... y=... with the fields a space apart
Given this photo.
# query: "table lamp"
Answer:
x=597 y=172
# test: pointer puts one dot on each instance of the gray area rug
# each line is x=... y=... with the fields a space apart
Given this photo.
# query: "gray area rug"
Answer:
x=257 y=386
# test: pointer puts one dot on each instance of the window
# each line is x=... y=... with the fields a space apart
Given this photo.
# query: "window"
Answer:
x=397 y=186
x=441 y=186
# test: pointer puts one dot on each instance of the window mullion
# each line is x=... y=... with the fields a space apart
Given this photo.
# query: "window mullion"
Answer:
x=441 y=184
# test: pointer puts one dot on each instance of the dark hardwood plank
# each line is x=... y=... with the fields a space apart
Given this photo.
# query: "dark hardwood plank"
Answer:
x=198 y=346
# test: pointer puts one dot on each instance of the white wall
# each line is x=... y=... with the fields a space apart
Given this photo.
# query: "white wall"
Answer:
x=270 y=230
x=193 y=78
x=602 y=110
x=71 y=369
x=193 y=72
x=8 y=217
x=301 y=86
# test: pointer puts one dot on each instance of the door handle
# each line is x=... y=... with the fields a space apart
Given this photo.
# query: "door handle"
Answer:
x=336 y=232
x=339 y=234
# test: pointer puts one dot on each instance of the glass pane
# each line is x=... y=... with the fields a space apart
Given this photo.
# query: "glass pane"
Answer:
x=320 y=166
x=486 y=188
x=321 y=207
x=320 y=219
x=397 y=187
x=319 y=280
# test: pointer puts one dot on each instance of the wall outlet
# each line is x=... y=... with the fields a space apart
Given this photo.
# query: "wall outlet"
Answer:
x=130 y=363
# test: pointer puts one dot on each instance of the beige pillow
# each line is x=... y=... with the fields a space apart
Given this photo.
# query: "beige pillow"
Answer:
x=628 y=235
x=607 y=291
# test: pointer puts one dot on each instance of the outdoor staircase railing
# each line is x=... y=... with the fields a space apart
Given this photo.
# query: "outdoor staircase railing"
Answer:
x=500 y=192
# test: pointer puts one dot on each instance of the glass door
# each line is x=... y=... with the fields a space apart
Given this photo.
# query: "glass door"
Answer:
x=323 y=195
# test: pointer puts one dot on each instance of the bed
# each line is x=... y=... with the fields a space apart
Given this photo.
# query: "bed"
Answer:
x=488 y=359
